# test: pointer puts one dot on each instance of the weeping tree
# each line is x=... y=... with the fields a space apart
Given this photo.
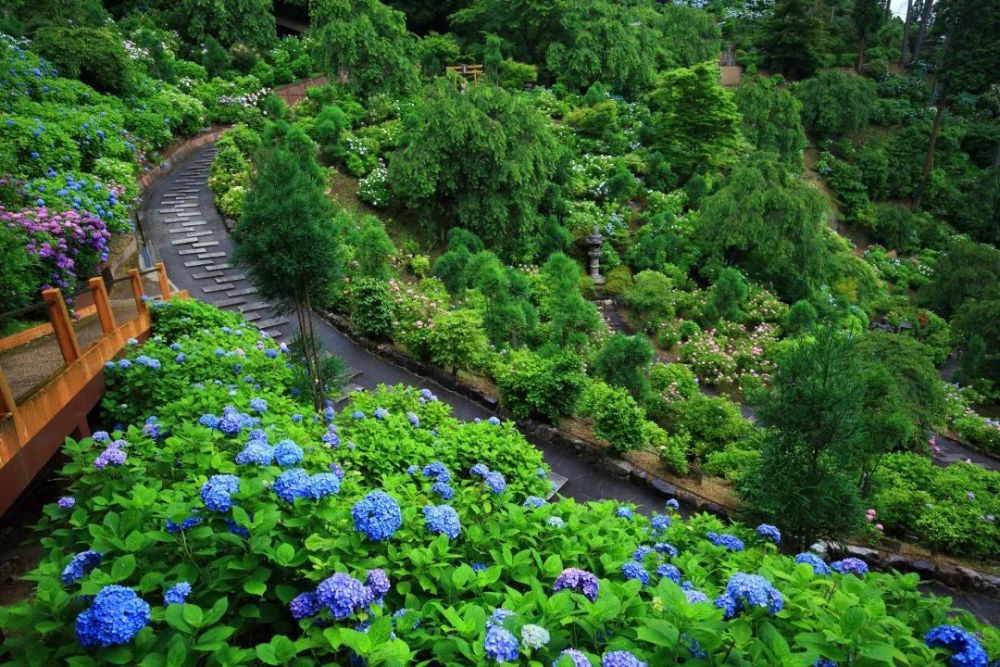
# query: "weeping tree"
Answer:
x=285 y=239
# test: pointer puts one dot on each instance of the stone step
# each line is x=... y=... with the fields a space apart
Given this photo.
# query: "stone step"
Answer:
x=205 y=244
x=273 y=322
x=207 y=274
x=193 y=223
x=273 y=333
x=184 y=241
x=197 y=262
x=242 y=292
x=229 y=303
x=211 y=255
x=237 y=277
x=220 y=267
x=251 y=317
x=217 y=288
x=259 y=305
x=191 y=251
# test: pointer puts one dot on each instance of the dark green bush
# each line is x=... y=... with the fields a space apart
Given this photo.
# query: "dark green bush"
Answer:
x=93 y=55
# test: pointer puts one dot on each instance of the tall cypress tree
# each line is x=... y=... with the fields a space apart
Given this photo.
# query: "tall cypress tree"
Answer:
x=286 y=240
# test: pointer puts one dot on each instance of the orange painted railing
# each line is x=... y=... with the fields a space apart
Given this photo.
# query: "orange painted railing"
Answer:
x=32 y=430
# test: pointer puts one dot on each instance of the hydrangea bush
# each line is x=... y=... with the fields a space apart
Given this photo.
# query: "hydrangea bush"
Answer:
x=184 y=555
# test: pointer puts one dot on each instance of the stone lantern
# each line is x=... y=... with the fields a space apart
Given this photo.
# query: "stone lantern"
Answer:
x=595 y=241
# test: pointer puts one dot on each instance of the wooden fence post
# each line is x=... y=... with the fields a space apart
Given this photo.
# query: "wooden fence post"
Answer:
x=136 y=280
x=102 y=304
x=61 y=325
x=161 y=272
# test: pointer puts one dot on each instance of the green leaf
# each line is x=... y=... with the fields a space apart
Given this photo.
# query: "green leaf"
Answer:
x=193 y=615
x=123 y=568
x=461 y=575
x=255 y=587
x=118 y=655
x=213 y=615
x=553 y=566
x=177 y=654
x=284 y=648
x=241 y=517
x=658 y=632
x=265 y=653
x=213 y=638
x=175 y=619
x=284 y=554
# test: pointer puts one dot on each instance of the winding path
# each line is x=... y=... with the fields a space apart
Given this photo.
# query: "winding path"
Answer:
x=182 y=200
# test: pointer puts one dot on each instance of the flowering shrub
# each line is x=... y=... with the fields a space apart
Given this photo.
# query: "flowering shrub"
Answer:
x=202 y=561
x=727 y=355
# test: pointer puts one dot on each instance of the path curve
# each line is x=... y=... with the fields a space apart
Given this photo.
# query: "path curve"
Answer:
x=585 y=482
x=182 y=200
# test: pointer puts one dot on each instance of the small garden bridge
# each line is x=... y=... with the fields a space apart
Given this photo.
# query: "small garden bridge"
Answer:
x=69 y=355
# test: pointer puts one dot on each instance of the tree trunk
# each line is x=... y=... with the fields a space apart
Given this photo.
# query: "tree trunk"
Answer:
x=319 y=386
x=996 y=156
x=929 y=160
x=905 y=47
x=925 y=20
x=861 y=55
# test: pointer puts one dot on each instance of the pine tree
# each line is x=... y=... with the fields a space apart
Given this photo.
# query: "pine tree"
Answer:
x=286 y=240
x=792 y=35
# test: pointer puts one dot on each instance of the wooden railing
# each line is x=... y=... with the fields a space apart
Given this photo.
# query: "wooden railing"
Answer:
x=33 y=428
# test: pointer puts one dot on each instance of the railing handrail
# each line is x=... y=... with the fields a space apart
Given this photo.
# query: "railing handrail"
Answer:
x=21 y=311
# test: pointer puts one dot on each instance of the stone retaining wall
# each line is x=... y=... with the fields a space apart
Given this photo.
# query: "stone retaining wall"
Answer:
x=956 y=576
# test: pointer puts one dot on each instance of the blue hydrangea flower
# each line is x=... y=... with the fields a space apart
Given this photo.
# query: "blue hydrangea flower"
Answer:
x=177 y=593
x=305 y=605
x=110 y=456
x=189 y=522
x=413 y=419
x=337 y=470
x=101 y=436
x=745 y=591
x=256 y=451
x=66 y=502
x=669 y=571
x=180 y=358
x=664 y=548
x=500 y=644
x=850 y=566
x=216 y=492
x=965 y=648
x=577 y=580
x=381 y=414
x=555 y=522
x=673 y=504
x=694 y=596
x=641 y=552
x=659 y=522
x=823 y=662
x=577 y=659
x=442 y=520
x=814 y=561
x=494 y=420
x=479 y=470
x=115 y=616
x=321 y=485
x=534 y=636
x=331 y=439
x=479 y=567
x=438 y=471
x=296 y=418
x=769 y=532
x=533 y=501
x=343 y=594
x=624 y=512
x=357 y=414
x=125 y=364
x=271 y=353
x=444 y=490
x=498 y=617
x=211 y=421
x=237 y=529
x=287 y=453
x=80 y=566
x=621 y=659
x=730 y=542
x=427 y=395
x=377 y=516
x=496 y=482
x=633 y=570
x=291 y=484
x=258 y=405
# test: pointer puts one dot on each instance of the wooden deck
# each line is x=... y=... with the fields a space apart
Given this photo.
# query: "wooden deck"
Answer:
x=33 y=428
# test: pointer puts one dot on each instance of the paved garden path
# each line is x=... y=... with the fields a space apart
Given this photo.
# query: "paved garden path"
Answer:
x=181 y=203
x=187 y=184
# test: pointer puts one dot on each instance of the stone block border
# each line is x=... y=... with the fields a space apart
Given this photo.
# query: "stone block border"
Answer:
x=956 y=576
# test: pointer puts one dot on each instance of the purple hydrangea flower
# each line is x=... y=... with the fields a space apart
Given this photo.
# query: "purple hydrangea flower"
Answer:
x=413 y=419
x=305 y=605
x=66 y=502
x=577 y=580
x=576 y=658
x=378 y=583
x=621 y=659
x=110 y=456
